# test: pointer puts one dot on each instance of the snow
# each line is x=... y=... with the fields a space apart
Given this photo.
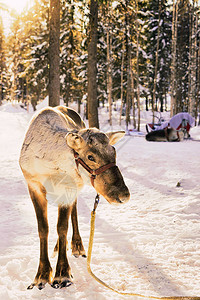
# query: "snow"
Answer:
x=150 y=245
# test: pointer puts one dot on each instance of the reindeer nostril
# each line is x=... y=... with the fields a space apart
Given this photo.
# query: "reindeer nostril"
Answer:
x=125 y=196
x=118 y=194
x=125 y=199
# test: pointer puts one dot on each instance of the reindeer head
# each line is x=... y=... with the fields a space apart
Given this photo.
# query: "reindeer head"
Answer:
x=96 y=150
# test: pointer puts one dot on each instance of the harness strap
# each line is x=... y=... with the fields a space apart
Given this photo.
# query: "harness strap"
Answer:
x=93 y=173
x=166 y=134
x=178 y=136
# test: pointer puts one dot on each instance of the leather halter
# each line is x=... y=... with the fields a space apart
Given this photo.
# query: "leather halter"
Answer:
x=93 y=173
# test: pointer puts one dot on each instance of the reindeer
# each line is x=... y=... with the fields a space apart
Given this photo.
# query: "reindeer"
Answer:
x=58 y=157
x=164 y=135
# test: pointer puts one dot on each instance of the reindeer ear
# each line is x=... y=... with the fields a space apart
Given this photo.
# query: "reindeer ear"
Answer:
x=74 y=141
x=114 y=137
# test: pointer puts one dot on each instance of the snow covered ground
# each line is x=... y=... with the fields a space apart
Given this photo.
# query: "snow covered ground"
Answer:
x=151 y=245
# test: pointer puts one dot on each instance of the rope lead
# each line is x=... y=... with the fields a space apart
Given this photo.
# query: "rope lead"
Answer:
x=91 y=239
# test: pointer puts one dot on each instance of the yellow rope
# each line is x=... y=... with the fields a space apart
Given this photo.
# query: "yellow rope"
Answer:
x=92 y=228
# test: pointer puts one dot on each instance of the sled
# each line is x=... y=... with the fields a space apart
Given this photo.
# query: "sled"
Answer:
x=156 y=126
x=181 y=121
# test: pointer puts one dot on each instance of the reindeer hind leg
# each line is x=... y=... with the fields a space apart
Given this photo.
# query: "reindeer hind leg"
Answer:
x=55 y=251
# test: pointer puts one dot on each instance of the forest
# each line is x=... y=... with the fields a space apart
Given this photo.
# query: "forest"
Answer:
x=143 y=54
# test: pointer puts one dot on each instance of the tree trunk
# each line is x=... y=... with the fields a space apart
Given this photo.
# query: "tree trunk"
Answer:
x=1 y=90
x=79 y=106
x=109 y=66
x=92 y=66
x=146 y=102
x=69 y=77
x=173 y=65
x=128 y=92
x=193 y=62
x=196 y=69
x=54 y=53
x=133 y=97
x=137 y=66
x=198 y=88
x=13 y=86
x=109 y=76
x=122 y=83
x=128 y=58
x=156 y=64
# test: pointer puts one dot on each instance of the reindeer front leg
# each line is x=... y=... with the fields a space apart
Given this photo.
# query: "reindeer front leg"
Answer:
x=76 y=244
x=63 y=272
x=44 y=273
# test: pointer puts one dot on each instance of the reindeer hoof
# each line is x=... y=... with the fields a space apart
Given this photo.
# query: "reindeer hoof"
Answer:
x=66 y=283
x=42 y=277
x=61 y=284
x=31 y=286
x=40 y=286
x=79 y=254
x=55 y=284
x=77 y=248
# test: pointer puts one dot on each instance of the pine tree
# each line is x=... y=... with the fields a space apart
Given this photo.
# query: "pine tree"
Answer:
x=28 y=53
x=173 y=60
x=158 y=69
x=118 y=53
x=3 y=84
x=109 y=59
x=192 y=89
x=36 y=55
x=67 y=50
x=137 y=64
x=72 y=35
x=182 y=58
x=14 y=48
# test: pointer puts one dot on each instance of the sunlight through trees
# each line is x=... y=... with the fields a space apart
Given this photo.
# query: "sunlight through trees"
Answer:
x=147 y=56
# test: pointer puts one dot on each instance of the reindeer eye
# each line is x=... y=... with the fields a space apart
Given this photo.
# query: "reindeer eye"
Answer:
x=90 y=157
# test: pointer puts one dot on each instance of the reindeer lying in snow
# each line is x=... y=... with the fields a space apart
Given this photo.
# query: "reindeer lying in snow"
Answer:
x=164 y=135
x=59 y=155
